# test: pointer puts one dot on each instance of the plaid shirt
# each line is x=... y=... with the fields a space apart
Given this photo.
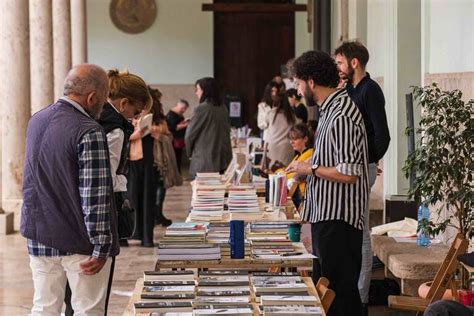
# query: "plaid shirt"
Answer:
x=94 y=189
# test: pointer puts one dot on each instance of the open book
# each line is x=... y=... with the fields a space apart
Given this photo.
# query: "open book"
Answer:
x=145 y=123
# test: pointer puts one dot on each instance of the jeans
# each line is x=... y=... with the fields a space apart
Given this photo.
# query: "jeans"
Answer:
x=366 y=269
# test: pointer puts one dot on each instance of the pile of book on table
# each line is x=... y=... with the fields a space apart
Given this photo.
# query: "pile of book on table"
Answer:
x=243 y=199
x=218 y=233
x=269 y=239
x=283 y=293
x=208 y=197
x=187 y=241
x=223 y=292
x=167 y=292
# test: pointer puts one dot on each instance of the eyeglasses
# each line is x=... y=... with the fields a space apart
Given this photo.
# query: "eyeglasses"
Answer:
x=294 y=139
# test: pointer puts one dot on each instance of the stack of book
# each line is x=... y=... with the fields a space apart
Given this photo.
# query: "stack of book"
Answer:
x=167 y=292
x=269 y=238
x=283 y=294
x=291 y=310
x=278 y=190
x=268 y=247
x=208 y=198
x=188 y=232
x=277 y=284
x=243 y=199
x=217 y=309
x=224 y=287
x=187 y=241
x=192 y=251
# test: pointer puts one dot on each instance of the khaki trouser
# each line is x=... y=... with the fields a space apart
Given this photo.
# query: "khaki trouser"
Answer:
x=49 y=278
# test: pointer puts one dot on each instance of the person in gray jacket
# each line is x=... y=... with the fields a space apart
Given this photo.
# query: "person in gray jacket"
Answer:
x=208 y=135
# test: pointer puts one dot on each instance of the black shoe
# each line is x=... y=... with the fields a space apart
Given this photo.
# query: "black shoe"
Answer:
x=365 y=309
x=123 y=243
x=165 y=222
x=147 y=244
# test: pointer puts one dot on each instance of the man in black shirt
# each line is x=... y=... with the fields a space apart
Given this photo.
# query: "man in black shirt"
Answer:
x=351 y=59
x=299 y=109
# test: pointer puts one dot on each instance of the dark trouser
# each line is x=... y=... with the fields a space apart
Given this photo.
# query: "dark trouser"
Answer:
x=338 y=247
x=67 y=298
x=142 y=194
x=160 y=200
x=178 y=152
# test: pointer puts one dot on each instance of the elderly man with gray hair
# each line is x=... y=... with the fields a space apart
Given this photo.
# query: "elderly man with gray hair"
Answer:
x=68 y=216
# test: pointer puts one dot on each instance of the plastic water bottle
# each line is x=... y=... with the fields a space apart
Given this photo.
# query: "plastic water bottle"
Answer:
x=422 y=238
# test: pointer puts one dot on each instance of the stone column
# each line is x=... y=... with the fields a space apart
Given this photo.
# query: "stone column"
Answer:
x=41 y=57
x=61 y=43
x=78 y=31
x=15 y=94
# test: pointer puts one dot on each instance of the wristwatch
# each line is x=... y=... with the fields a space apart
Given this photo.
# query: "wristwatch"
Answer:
x=314 y=168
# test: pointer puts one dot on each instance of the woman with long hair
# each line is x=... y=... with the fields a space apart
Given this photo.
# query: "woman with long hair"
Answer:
x=164 y=159
x=208 y=134
x=277 y=142
x=269 y=99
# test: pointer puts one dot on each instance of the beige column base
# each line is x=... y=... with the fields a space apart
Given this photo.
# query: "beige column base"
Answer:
x=13 y=206
x=6 y=223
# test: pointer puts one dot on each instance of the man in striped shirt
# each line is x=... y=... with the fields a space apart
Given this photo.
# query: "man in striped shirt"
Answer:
x=337 y=187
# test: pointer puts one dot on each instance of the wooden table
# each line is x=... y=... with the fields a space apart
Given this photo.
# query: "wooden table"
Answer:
x=139 y=285
x=248 y=263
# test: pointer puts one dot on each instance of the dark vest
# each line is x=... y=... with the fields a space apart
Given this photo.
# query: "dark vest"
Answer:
x=52 y=212
x=110 y=119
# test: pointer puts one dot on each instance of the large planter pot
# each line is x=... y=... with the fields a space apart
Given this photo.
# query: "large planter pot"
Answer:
x=425 y=287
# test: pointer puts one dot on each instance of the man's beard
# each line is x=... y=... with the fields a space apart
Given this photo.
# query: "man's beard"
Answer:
x=309 y=97
x=350 y=74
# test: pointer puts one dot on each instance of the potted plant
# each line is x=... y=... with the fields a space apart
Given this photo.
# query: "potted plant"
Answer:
x=442 y=164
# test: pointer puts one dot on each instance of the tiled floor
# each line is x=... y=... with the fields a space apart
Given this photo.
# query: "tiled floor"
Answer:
x=16 y=288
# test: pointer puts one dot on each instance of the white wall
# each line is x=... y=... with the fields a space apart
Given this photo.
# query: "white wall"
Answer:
x=302 y=37
x=450 y=36
x=177 y=49
x=376 y=35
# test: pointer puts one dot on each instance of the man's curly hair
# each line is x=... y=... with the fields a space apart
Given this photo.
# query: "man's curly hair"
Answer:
x=318 y=66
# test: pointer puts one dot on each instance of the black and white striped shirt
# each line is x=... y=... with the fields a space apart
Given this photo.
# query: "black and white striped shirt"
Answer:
x=340 y=142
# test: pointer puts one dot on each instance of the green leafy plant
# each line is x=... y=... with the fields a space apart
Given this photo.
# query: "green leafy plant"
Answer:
x=442 y=164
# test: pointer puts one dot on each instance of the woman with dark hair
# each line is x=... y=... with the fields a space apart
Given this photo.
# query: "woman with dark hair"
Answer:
x=177 y=125
x=277 y=142
x=270 y=96
x=299 y=109
x=144 y=179
x=208 y=135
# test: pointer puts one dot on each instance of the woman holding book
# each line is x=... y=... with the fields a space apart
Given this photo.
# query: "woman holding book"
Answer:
x=208 y=135
x=145 y=183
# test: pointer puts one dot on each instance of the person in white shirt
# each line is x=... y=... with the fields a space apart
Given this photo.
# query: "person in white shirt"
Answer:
x=269 y=99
